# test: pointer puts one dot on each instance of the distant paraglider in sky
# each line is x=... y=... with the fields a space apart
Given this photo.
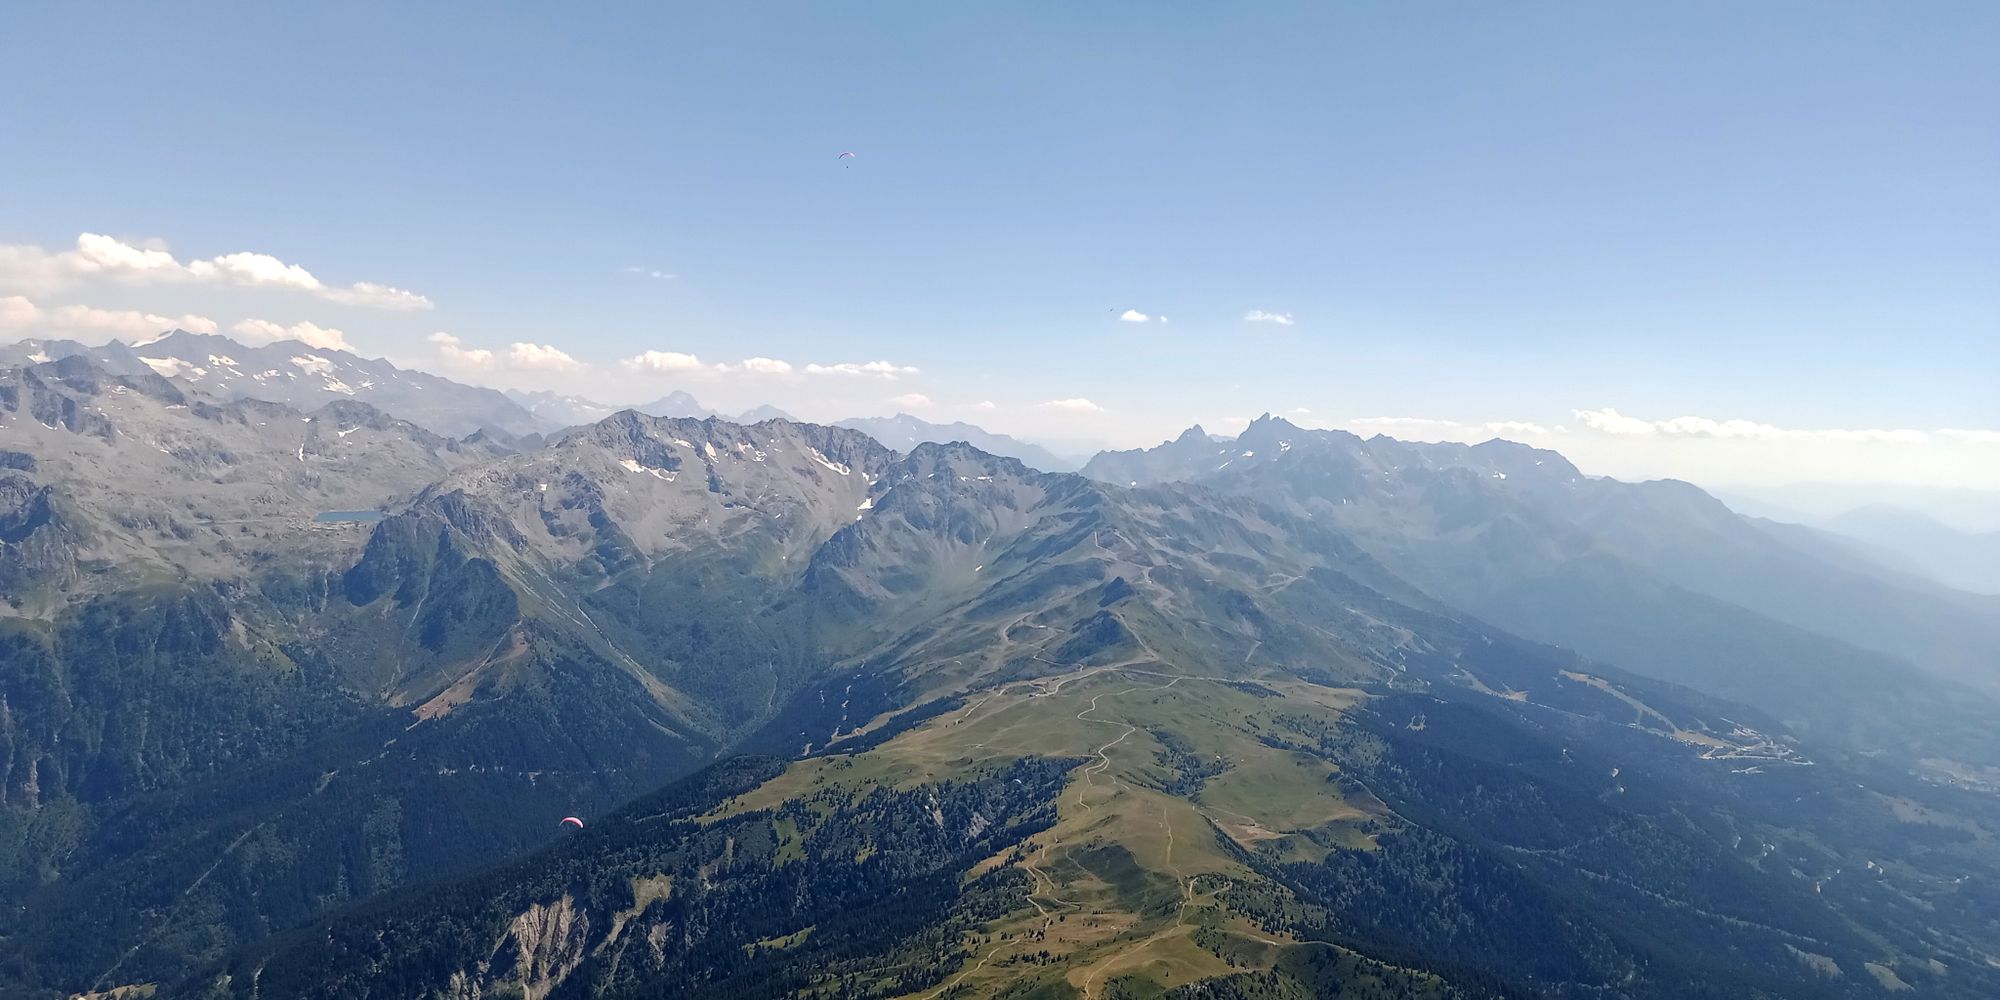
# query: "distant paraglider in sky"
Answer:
x=843 y=158
x=571 y=820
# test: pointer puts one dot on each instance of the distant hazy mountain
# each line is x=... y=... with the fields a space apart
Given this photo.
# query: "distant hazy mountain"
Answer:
x=294 y=374
x=680 y=404
x=556 y=411
x=1191 y=456
x=759 y=414
x=1902 y=539
x=904 y=432
x=1641 y=574
x=675 y=404
x=1963 y=559
x=1968 y=510
x=1852 y=554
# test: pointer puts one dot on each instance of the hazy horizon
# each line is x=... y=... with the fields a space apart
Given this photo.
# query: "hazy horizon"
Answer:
x=1756 y=248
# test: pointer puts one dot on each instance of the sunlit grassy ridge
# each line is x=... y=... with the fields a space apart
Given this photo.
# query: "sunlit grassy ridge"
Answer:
x=1128 y=883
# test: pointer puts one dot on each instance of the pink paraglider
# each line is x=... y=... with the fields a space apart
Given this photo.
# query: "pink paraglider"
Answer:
x=567 y=820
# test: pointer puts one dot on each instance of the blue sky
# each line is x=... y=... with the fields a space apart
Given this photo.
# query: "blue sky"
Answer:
x=1783 y=214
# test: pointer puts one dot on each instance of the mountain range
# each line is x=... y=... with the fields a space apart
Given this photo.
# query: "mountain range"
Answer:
x=297 y=694
x=905 y=432
x=300 y=375
x=556 y=411
x=902 y=432
x=1657 y=576
x=1967 y=560
x=295 y=374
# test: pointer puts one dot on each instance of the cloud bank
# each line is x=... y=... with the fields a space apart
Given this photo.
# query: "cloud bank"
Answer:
x=97 y=258
x=21 y=315
x=1074 y=404
x=864 y=369
x=263 y=331
x=1610 y=421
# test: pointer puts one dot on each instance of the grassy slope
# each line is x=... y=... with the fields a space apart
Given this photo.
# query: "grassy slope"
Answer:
x=1129 y=873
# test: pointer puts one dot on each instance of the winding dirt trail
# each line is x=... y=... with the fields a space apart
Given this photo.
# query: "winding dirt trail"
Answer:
x=1188 y=897
x=1103 y=752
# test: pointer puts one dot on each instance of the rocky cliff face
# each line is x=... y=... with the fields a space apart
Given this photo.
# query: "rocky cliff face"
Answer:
x=543 y=945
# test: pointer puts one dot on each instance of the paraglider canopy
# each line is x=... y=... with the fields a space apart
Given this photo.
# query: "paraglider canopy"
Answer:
x=844 y=156
x=571 y=820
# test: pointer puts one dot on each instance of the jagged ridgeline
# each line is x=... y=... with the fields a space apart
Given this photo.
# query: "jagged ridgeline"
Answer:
x=296 y=700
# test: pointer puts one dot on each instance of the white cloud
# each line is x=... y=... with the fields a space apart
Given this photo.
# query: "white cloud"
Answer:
x=522 y=356
x=764 y=366
x=678 y=363
x=30 y=269
x=1434 y=429
x=1610 y=421
x=98 y=257
x=455 y=353
x=1411 y=422
x=664 y=362
x=1261 y=316
x=370 y=295
x=984 y=404
x=1687 y=432
x=874 y=369
x=126 y=321
x=1970 y=436
x=1076 y=404
x=1134 y=316
x=95 y=254
x=16 y=312
x=263 y=331
x=241 y=269
x=912 y=401
x=1519 y=428
x=19 y=313
x=1748 y=452
x=1301 y=411
x=648 y=272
